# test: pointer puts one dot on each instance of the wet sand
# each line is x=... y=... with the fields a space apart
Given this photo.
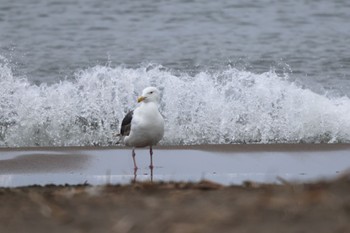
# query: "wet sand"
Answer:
x=224 y=164
x=263 y=197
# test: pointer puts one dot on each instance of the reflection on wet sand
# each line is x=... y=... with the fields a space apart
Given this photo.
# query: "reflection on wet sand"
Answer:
x=134 y=180
x=227 y=164
x=42 y=163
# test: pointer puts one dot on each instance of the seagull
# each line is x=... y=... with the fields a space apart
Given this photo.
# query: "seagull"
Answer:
x=144 y=126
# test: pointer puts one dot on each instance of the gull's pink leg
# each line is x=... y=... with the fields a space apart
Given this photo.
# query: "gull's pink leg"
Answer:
x=151 y=157
x=151 y=165
x=133 y=158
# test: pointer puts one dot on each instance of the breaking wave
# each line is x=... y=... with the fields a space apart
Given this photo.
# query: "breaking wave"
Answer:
x=222 y=107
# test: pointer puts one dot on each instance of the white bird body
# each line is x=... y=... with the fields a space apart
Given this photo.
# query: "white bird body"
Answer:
x=145 y=125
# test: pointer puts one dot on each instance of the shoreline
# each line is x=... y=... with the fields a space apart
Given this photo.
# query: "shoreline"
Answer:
x=206 y=147
x=224 y=164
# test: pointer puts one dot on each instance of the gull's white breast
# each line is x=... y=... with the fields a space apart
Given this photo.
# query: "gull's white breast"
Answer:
x=147 y=126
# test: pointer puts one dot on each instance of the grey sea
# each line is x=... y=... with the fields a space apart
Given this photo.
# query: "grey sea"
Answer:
x=229 y=71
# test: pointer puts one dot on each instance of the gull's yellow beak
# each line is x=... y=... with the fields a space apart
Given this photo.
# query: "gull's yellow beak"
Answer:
x=141 y=98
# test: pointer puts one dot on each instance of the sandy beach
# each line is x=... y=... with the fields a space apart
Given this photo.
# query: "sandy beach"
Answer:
x=213 y=188
x=178 y=207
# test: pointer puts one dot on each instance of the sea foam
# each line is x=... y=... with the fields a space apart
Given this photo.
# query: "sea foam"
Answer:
x=221 y=107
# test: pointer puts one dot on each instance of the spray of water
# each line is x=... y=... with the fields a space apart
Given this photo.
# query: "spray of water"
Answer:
x=226 y=106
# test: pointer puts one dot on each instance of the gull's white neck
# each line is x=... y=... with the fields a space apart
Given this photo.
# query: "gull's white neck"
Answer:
x=149 y=104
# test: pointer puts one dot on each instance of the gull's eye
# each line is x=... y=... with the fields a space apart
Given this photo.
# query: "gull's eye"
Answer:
x=151 y=92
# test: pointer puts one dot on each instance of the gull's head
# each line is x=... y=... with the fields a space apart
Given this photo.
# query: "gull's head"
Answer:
x=149 y=94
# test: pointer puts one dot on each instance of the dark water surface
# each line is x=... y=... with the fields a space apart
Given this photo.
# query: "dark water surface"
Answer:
x=49 y=40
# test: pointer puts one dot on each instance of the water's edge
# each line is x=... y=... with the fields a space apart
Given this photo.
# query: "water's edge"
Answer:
x=225 y=164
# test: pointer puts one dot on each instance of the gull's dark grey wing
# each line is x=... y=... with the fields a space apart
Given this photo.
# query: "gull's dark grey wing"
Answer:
x=126 y=124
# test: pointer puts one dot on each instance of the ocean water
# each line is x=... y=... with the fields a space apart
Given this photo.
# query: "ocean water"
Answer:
x=230 y=72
